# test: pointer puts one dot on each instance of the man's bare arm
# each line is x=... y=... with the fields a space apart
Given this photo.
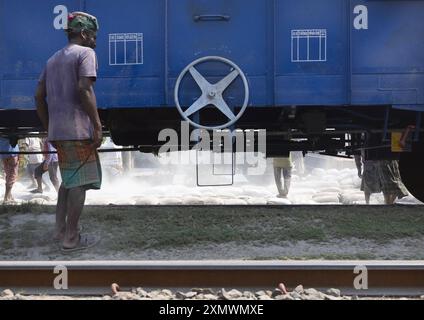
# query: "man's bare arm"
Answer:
x=88 y=100
x=41 y=103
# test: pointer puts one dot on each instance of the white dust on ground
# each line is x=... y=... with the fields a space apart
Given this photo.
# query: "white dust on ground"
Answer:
x=325 y=180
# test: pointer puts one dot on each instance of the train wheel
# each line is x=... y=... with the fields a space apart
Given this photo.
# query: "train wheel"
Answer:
x=411 y=166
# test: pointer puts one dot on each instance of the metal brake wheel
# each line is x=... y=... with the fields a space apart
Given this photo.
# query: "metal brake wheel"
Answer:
x=212 y=94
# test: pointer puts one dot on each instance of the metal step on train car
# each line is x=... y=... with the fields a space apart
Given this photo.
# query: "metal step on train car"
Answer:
x=316 y=74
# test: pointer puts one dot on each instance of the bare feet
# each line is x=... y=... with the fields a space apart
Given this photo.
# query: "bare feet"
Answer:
x=85 y=241
x=59 y=236
x=8 y=199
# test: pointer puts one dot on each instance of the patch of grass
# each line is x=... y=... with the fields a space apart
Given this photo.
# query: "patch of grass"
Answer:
x=131 y=228
x=159 y=227
x=6 y=242
x=26 y=207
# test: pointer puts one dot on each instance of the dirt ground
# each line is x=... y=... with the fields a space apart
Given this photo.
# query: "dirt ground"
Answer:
x=221 y=232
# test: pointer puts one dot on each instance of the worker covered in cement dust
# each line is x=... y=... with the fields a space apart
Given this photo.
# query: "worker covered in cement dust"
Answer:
x=391 y=182
x=283 y=169
x=33 y=160
x=10 y=164
x=368 y=171
x=49 y=164
x=67 y=107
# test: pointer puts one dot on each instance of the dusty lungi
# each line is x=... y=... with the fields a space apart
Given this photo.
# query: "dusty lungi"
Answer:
x=284 y=162
x=371 y=178
x=11 y=168
x=391 y=182
x=79 y=164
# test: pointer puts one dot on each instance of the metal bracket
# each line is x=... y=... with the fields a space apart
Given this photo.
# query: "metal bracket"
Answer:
x=418 y=126
x=386 y=126
x=233 y=168
x=215 y=185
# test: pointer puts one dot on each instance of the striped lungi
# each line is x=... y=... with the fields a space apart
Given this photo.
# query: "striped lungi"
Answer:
x=11 y=168
x=79 y=164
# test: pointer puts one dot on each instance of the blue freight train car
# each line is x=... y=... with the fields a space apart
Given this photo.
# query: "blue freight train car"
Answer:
x=327 y=72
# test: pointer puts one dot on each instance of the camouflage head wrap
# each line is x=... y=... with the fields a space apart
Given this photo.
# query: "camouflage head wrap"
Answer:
x=78 y=21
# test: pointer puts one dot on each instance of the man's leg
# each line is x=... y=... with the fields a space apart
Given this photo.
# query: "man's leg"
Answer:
x=53 y=175
x=287 y=172
x=75 y=204
x=31 y=174
x=38 y=173
x=389 y=198
x=8 y=193
x=11 y=172
x=277 y=176
x=61 y=210
x=367 y=197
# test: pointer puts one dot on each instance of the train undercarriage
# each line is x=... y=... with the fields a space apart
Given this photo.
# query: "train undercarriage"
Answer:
x=334 y=131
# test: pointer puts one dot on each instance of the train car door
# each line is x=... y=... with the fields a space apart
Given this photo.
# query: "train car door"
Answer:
x=238 y=30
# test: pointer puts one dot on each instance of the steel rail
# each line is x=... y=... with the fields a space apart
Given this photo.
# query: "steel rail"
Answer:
x=384 y=277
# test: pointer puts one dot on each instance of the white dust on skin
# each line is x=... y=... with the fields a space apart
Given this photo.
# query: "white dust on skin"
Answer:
x=326 y=180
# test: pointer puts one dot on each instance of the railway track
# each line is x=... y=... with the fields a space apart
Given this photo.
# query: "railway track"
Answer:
x=383 y=278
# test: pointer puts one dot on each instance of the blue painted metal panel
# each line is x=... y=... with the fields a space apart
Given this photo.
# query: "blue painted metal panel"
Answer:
x=27 y=40
x=311 y=52
x=294 y=52
x=388 y=57
x=131 y=52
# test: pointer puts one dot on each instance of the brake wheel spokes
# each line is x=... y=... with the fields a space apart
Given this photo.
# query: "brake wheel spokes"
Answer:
x=212 y=93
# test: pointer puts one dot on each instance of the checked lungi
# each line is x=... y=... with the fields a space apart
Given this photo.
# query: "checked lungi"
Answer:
x=11 y=168
x=79 y=164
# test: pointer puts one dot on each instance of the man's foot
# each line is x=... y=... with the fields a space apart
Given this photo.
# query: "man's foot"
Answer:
x=8 y=198
x=60 y=236
x=37 y=191
x=85 y=241
x=9 y=202
x=283 y=196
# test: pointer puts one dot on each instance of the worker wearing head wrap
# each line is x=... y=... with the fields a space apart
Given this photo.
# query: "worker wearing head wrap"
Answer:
x=79 y=21
x=83 y=27
x=66 y=105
